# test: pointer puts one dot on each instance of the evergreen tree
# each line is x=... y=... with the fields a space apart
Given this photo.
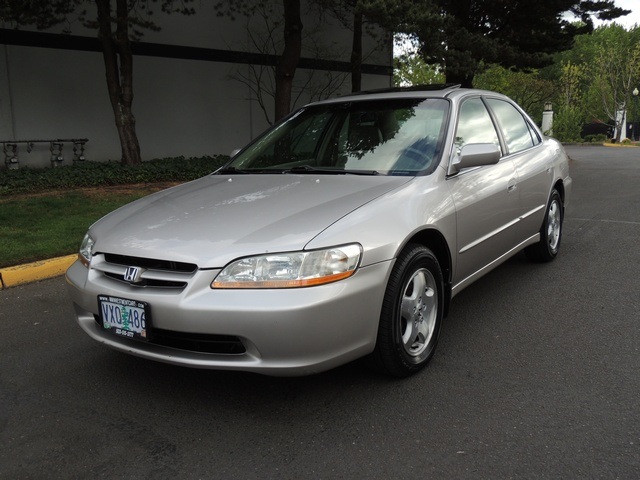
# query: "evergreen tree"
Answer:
x=462 y=35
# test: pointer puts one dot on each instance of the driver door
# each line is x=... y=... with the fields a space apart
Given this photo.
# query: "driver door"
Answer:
x=486 y=199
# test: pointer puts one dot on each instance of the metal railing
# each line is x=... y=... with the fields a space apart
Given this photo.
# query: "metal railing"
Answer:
x=56 y=146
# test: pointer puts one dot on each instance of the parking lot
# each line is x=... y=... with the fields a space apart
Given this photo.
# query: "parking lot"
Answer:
x=536 y=376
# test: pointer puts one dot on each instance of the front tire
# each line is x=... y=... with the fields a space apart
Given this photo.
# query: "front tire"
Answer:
x=550 y=232
x=411 y=314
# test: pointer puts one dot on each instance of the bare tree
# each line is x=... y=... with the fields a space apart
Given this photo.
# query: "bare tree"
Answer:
x=288 y=61
x=117 y=24
x=263 y=27
x=376 y=18
x=288 y=56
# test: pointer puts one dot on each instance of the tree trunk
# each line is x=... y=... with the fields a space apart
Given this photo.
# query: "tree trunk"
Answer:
x=356 y=53
x=288 y=61
x=617 y=132
x=118 y=61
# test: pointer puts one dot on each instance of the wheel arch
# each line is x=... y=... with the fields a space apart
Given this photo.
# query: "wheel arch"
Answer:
x=559 y=186
x=435 y=241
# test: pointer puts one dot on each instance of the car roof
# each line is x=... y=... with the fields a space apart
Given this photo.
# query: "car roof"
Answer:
x=445 y=90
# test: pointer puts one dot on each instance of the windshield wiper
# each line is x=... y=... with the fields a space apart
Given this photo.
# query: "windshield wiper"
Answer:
x=329 y=171
x=231 y=170
x=247 y=171
x=299 y=169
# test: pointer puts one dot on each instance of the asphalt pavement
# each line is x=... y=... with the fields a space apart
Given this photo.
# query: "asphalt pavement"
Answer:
x=536 y=376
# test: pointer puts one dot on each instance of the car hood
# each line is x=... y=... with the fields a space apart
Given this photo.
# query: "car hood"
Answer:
x=218 y=218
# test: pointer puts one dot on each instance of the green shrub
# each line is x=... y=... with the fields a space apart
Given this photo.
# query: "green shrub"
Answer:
x=95 y=174
x=567 y=124
x=626 y=141
x=599 y=138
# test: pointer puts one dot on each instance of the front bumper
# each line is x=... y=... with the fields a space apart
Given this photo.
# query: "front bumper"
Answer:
x=284 y=332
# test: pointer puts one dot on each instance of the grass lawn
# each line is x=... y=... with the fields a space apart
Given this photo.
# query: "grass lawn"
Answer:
x=53 y=224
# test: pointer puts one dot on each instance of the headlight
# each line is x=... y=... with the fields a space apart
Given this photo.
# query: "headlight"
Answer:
x=292 y=269
x=86 y=250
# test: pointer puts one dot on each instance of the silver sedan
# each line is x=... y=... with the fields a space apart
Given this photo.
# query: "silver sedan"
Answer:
x=342 y=232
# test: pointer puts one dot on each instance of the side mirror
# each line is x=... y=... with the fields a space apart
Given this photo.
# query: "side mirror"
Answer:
x=475 y=155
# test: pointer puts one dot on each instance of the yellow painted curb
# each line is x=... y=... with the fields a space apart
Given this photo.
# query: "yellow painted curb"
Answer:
x=620 y=145
x=31 y=272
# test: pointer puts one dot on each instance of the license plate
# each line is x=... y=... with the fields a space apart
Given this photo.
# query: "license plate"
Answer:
x=124 y=317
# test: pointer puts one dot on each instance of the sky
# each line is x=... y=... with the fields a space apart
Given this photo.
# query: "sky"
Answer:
x=632 y=18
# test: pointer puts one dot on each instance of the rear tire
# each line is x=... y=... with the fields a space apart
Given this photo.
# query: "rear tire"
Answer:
x=411 y=313
x=550 y=232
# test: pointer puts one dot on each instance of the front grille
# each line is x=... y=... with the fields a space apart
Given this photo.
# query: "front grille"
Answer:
x=192 y=342
x=148 y=282
x=156 y=273
x=150 y=263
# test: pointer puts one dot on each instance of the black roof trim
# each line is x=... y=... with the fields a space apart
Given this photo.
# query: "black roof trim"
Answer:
x=414 y=88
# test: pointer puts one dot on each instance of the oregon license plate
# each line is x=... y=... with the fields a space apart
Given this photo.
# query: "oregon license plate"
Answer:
x=124 y=317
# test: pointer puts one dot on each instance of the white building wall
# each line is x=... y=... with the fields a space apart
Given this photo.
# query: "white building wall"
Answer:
x=182 y=106
x=57 y=94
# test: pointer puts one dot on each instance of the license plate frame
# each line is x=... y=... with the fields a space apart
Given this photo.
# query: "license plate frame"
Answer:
x=125 y=317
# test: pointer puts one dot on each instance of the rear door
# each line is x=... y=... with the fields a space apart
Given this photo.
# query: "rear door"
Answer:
x=532 y=161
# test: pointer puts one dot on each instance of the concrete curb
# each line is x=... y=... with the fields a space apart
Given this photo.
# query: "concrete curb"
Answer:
x=31 y=272
x=619 y=145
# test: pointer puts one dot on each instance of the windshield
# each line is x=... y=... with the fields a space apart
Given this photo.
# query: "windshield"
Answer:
x=392 y=137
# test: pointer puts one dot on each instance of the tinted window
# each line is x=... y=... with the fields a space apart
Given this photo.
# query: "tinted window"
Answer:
x=534 y=135
x=389 y=136
x=295 y=145
x=475 y=125
x=514 y=126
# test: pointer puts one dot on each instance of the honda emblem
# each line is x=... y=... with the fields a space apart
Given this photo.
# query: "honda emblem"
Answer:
x=132 y=274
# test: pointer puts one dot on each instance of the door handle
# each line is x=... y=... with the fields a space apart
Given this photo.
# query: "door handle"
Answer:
x=512 y=185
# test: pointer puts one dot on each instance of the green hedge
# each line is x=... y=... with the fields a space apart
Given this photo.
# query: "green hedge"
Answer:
x=95 y=174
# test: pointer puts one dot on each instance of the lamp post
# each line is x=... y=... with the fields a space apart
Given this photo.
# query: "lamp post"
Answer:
x=635 y=114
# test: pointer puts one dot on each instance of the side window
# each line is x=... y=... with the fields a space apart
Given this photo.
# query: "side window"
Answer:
x=475 y=125
x=534 y=135
x=514 y=127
